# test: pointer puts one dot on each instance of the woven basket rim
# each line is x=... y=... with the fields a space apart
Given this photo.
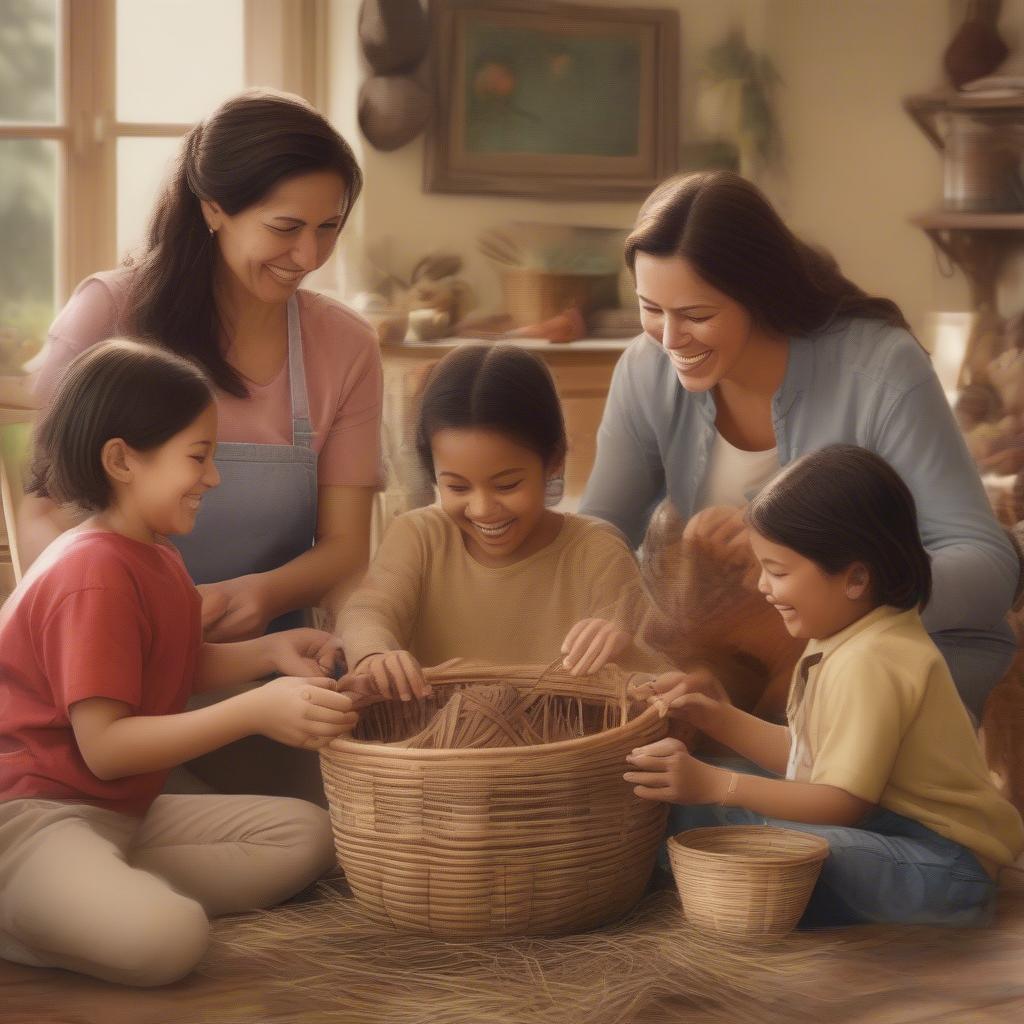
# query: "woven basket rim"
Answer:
x=458 y=671
x=819 y=846
x=483 y=753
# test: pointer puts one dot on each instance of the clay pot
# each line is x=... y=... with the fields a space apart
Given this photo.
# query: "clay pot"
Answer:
x=393 y=110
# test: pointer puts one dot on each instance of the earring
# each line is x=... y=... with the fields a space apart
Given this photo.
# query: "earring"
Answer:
x=208 y=228
x=554 y=491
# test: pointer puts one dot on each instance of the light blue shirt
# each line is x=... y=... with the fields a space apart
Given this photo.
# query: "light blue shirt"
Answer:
x=858 y=382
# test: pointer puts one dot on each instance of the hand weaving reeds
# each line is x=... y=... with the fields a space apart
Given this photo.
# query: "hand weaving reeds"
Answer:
x=709 y=611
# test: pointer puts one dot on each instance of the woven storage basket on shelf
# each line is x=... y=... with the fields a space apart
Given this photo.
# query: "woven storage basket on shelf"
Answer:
x=746 y=880
x=516 y=840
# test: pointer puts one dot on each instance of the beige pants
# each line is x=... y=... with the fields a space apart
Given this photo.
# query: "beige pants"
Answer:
x=128 y=899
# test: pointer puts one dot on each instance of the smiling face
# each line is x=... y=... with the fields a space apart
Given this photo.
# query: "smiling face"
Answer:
x=706 y=334
x=493 y=490
x=813 y=604
x=269 y=247
x=166 y=485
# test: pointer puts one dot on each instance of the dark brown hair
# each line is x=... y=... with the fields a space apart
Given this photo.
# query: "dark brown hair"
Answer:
x=493 y=387
x=246 y=147
x=725 y=227
x=138 y=392
x=845 y=504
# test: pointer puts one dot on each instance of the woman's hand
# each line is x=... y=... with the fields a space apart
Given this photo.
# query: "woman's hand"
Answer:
x=395 y=674
x=302 y=712
x=305 y=652
x=237 y=609
x=721 y=531
x=591 y=644
x=666 y=771
x=1009 y=460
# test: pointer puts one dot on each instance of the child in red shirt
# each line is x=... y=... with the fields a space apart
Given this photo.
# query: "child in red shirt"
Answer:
x=100 y=647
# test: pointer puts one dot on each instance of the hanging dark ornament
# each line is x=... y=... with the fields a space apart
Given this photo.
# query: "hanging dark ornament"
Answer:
x=393 y=110
x=394 y=35
x=977 y=49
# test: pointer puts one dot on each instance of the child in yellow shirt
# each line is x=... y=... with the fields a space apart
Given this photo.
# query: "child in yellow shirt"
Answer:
x=492 y=573
x=879 y=755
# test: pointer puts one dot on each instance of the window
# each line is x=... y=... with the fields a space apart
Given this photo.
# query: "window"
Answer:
x=95 y=96
x=32 y=137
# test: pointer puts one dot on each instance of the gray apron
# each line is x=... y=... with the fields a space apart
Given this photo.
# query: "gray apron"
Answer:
x=263 y=514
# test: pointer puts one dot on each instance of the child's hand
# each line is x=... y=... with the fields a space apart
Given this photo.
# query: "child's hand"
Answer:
x=305 y=652
x=395 y=674
x=696 y=697
x=360 y=687
x=666 y=771
x=302 y=712
x=591 y=644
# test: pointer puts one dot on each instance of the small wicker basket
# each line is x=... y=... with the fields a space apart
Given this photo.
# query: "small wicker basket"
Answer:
x=532 y=296
x=544 y=839
x=746 y=880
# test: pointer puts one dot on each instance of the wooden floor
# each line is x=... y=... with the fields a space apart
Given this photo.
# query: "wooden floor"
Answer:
x=883 y=976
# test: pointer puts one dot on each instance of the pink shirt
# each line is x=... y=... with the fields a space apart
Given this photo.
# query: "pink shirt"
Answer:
x=98 y=615
x=344 y=379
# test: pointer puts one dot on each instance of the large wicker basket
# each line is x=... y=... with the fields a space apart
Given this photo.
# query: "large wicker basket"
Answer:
x=530 y=840
x=750 y=880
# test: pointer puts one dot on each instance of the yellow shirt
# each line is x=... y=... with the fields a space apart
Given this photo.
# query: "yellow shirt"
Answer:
x=426 y=594
x=880 y=717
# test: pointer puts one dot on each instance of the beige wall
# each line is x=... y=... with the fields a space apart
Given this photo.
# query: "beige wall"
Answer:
x=855 y=165
x=394 y=205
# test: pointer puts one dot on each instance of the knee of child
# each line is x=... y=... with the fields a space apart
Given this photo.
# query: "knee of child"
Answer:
x=317 y=838
x=163 y=946
x=308 y=850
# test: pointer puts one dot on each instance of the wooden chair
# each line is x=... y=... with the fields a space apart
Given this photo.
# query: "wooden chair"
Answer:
x=15 y=435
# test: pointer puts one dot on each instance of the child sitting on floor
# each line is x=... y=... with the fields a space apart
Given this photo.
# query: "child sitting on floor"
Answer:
x=100 y=647
x=879 y=755
x=493 y=574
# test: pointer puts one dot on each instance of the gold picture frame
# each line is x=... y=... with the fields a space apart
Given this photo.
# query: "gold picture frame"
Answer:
x=552 y=100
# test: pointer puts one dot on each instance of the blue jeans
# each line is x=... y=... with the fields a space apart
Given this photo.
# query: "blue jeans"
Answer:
x=888 y=869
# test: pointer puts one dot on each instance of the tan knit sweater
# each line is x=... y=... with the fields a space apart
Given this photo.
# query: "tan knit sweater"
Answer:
x=426 y=594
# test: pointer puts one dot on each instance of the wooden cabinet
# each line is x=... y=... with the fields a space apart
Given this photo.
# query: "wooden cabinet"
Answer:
x=582 y=371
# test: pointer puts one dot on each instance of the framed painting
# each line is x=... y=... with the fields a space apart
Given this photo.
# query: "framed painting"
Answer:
x=550 y=100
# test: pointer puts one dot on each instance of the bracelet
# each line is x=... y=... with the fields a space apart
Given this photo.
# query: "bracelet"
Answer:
x=734 y=781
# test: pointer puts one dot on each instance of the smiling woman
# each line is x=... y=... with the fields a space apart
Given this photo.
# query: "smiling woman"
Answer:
x=757 y=350
x=260 y=193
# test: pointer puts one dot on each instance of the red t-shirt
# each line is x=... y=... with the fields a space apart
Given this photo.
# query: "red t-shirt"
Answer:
x=98 y=615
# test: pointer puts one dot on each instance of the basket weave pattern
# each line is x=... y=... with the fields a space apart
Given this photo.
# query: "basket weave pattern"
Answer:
x=481 y=842
x=746 y=880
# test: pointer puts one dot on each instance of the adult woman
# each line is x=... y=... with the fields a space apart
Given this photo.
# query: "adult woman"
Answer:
x=757 y=350
x=260 y=193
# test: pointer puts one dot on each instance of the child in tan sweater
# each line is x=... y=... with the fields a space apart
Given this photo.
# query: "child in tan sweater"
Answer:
x=492 y=573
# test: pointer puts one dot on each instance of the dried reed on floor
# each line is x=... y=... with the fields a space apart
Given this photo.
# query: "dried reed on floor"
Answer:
x=331 y=962
x=337 y=955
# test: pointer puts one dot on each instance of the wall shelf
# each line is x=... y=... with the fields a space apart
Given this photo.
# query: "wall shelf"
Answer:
x=977 y=241
x=955 y=220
